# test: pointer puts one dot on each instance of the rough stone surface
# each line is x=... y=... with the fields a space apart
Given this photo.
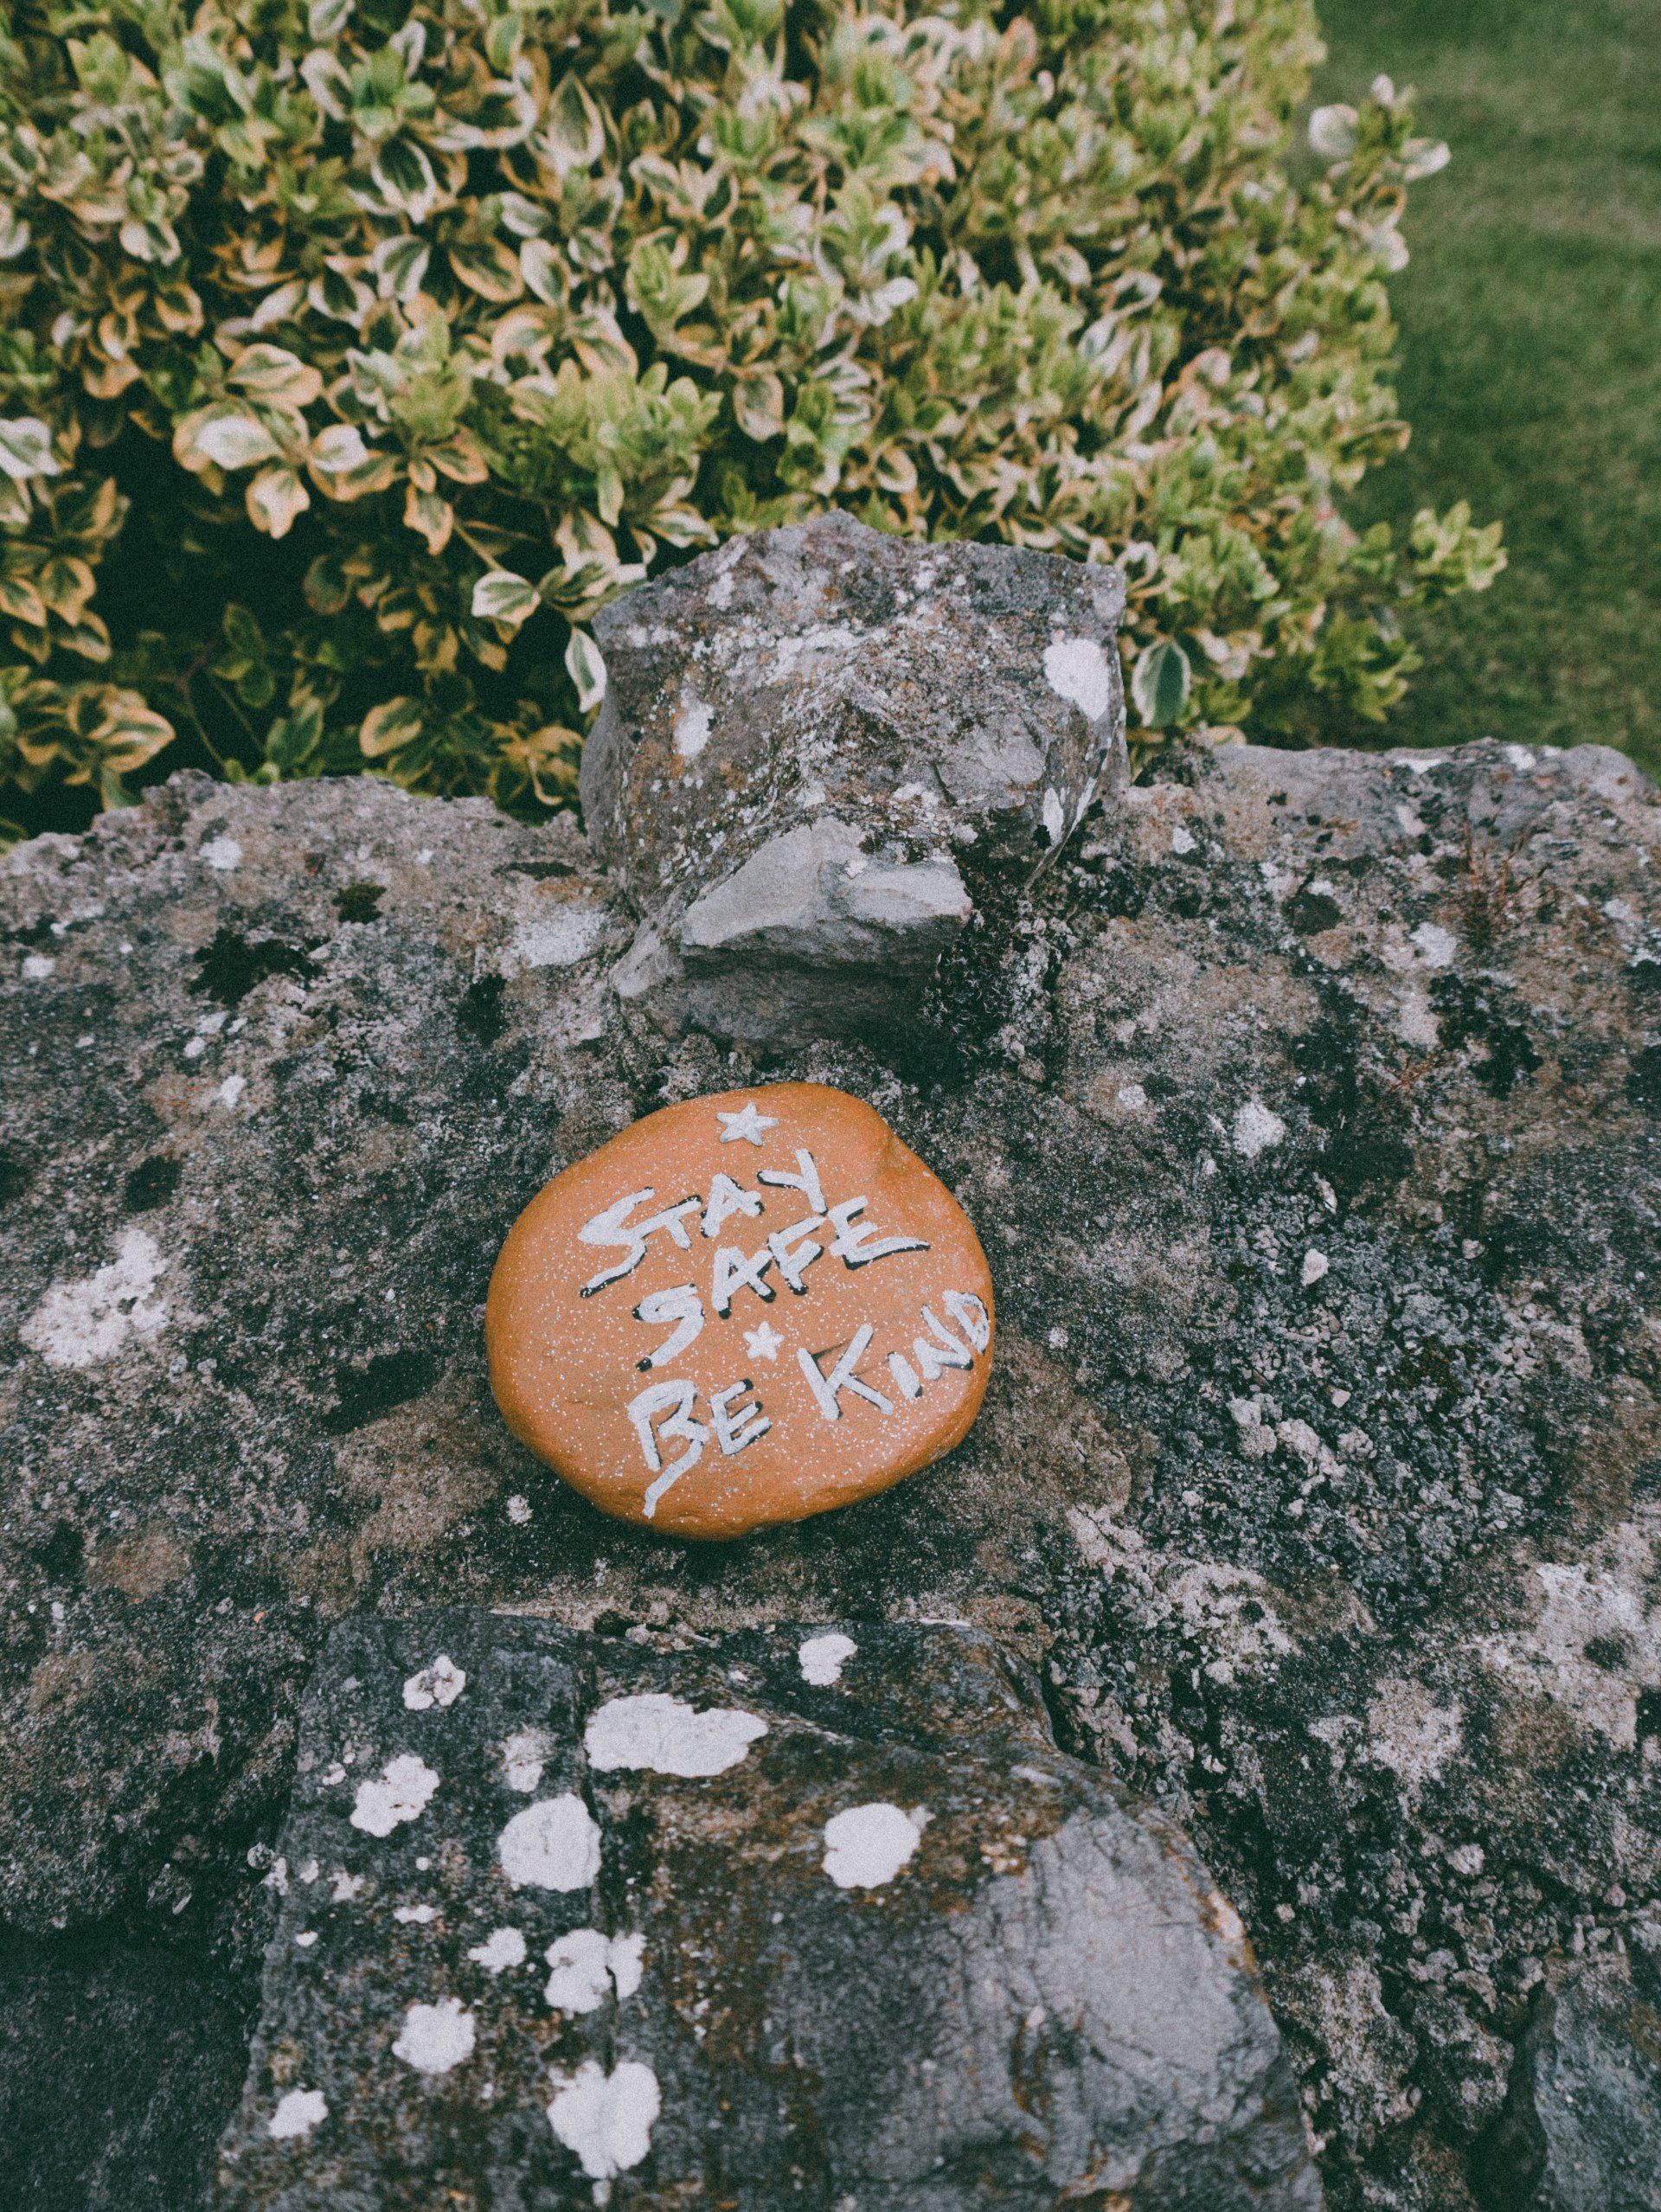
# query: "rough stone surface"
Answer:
x=1306 y=1108
x=120 y=2063
x=812 y=738
x=1580 y=2128
x=746 y=1309
x=873 y=1941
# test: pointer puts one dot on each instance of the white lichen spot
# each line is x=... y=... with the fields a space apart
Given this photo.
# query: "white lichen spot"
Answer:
x=1182 y=840
x=400 y=1793
x=37 y=966
x=1316 y=1265
x=345 y=1886
x=867 y=1844
x=554 y=1844
x=1131 y=1097
x=297 y=2113
x=1415 y=1024
x=502 y=1948
x=1436 y=945
x=305 y=1939
x=692 y=724
x=417 y=1915
x=606 y=2119
x=524 y=1756
x=228 y=1092
x=589 y=1969
x=222 y=853
x=439 y=1684
x=76 y=1325
x=822 y=1658
x=558 y=939
x=665 y=1736
x=1410 y=1734
x=436 y=2037
x=1256 y=1129
x=1077 y=669
x=1055 y=816
x=519 y=1513
x=1605 y=1600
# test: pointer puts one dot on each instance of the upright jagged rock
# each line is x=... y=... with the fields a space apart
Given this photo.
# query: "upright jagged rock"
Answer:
x=818 y=741
x=816 y=1916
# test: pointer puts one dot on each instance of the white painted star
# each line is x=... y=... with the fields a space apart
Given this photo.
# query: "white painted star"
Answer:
x=747 y=1124
x=762 y=1343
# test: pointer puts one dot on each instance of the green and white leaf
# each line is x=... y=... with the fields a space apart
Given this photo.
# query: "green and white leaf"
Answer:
x=1159 y=684
x=501 y=596
x=26 y=449
x=585 y=666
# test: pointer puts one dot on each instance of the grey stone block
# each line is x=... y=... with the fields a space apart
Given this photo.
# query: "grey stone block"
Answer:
x=805 y=1916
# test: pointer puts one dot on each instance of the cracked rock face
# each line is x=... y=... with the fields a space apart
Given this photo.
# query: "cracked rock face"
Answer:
x=817 y=740
x=1307 y=1109
x=730 y=1921
x=1578 y=2133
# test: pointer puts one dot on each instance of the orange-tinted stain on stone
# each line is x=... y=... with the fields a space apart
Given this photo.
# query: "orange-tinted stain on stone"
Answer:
x=741 y=1310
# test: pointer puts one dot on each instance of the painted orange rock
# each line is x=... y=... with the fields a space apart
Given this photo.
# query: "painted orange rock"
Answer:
x=743 y=1310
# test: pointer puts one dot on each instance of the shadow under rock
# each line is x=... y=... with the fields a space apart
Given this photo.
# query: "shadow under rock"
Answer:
x=120 y=2063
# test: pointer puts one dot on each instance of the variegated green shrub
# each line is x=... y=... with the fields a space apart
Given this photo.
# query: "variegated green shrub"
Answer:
x=355 y=353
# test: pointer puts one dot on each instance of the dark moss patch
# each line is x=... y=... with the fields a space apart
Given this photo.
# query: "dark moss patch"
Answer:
x=230 y=967
x=479 y=1014
x=60 y=1555
x=1643 y=1079
x=1311 y=912
x=360 y=901
x=152 y=1182
x=363 y=1394
x=1472 y=1015
x=15 y=1174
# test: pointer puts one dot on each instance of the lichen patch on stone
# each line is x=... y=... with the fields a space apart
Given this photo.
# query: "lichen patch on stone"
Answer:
x=554 y=1844
x=822 y=1658
x=1077 y=669
x=436 y=2037
x=590 y=1969
x=401 y=1792
x=867 y=1844
x=607 y=2118
x=525 y=1754
x=502 y=1948
x=664 y=1735
x=439 y=1684
x=298 y=2112
x=76 y=1325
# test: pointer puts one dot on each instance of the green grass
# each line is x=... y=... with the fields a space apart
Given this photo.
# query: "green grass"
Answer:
x=1530 y=318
